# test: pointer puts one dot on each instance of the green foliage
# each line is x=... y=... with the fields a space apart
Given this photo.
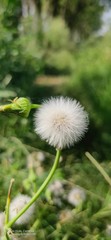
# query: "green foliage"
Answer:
x=80 y=16
x=51 y=220
x=27 y=51
x=57 y=34
x=18 y=68
x=60 y=61
x=91 y=84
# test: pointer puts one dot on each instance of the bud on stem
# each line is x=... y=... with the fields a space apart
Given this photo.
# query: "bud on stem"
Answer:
x=20 y=105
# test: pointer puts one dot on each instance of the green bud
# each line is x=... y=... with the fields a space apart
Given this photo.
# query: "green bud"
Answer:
x=22 y=105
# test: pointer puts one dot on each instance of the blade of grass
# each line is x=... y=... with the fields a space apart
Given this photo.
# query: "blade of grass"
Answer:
x=99 y=167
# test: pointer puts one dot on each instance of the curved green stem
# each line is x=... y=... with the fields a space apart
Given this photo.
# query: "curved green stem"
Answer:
x=37 y=194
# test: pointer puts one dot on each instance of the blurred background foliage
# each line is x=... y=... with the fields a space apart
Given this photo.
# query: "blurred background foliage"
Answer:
x=50 y=48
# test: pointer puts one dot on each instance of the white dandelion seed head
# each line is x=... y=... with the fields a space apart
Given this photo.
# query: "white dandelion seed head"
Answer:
x=65 y=215
x=2 y=222
x=108 y=230
x=61 y=122
x=76 y=196
x=56 y=188
x=41 y=156
x=17 y=204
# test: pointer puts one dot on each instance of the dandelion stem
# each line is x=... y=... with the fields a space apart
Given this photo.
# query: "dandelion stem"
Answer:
x=5 y=107
x=35 y=106
x=99 y=167
x=40 y=190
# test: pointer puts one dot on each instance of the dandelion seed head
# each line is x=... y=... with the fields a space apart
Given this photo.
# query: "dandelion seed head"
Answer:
x=41 y=156
x=2 y=222
x=56 y=188
x=76 y=196
x=108 y=230
x=61 y=122
x=17 y=204
x=66 y=216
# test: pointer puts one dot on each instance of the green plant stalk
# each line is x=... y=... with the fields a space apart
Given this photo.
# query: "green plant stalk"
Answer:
x=98 y=166
x=35 y=225
x=33 y=106
x=6 y=235
x=4 y=108
x=105 y=212
x=37 y=194
x=8 y=202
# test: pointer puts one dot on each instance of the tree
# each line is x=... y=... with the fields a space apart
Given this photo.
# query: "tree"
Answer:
x=82 y=16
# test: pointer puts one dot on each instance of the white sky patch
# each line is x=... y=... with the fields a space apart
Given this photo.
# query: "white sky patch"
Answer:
x=106 y=22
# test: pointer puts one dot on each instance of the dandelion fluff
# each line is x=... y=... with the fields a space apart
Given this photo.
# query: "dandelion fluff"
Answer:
x=2 y=222
x=17 y=204
x=76 y=196
x=56 y=188
x=61 y=122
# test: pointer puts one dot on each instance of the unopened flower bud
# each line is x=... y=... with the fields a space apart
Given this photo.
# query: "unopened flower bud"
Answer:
x=20 y=105
x=23 y=105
